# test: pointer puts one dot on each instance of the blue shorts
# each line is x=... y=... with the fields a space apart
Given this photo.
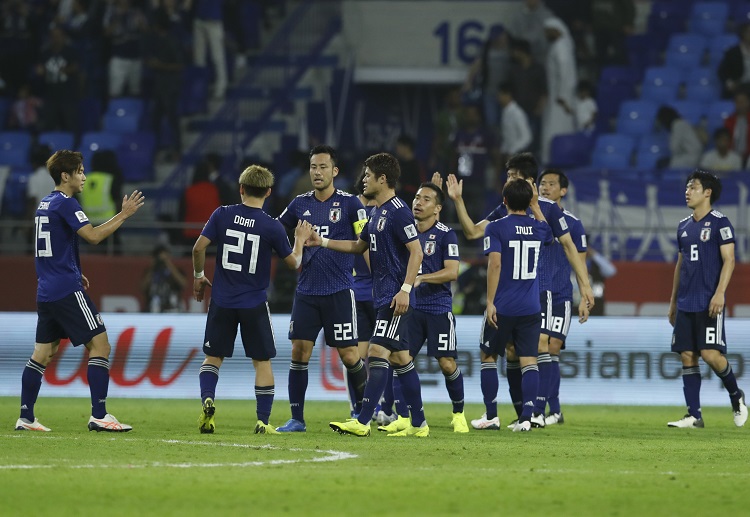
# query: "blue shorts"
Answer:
x=555 y=317
x=696 y=331
x=256 y=332
x=335 y=313
x=522 y=331
x=74 y=317
x=438 y=329
x=365 y=320
x=392 y=332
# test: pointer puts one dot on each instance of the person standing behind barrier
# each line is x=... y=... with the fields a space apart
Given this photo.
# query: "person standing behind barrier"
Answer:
x=208 y=32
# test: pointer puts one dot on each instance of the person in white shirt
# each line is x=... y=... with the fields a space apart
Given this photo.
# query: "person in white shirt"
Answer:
x=721 y=157
x=585 y=107
x=515 y=130
x=40 y=182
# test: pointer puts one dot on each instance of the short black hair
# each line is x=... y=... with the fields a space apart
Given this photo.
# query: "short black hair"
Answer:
x=384 y=164
x=324 y=149
x=708 y=181
x=564 y=183
x=525 y=163
x=438 y=191
x=517 y=194
x=505 y=87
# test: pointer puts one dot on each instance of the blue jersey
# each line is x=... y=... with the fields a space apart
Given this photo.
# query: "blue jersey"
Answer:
x=519 y=240
x=340 y=217
x=699 y=243
x=390 y=227
x=362 y=280
x=555 y=263
x=557 y=222
x=58 y=266
x=244 y=238
x=439 y=244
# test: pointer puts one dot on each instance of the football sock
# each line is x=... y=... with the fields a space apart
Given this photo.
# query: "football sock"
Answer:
x=357 y=378
x=402 y=409
x=264 y=402
x=544 y=362
x=98 y=376
x=31 y=382
x=553 y=397
x=530 y=387
x=455 y=385
x=691 y=387
x=730 y=381
x=412 y=390
x=297 y=389
x=208 y=378
x=515 y=389
x=374 y=388
x=489 y=383
x=386 y=403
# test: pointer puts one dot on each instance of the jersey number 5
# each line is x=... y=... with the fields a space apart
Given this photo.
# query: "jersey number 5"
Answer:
x=239 y=247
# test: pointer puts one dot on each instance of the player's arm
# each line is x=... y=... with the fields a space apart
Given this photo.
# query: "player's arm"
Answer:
x=672 y=314
x=400 y=302
x=582 y=276
x=199 y=262
x=455 y=192
x=493 y=279
x=355 y=247
x=716 y=305
x=130 y=205
x=301 y=234
x=449 y=273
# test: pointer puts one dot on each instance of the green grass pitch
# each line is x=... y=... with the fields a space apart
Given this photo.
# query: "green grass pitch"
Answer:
x=604 y=460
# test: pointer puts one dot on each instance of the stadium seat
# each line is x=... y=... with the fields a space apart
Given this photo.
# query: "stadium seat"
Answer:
x=570 y=150
x=96 y=141
x=609 y=99
x=741 y=13
x=692 y=111
x=702 y=85
x=667 y=17
x=617 y=75
x=685 y=50
x=135 y=155
x=612 y=151
x=709 y=18
x=57 y=140
x=14 y=195
x=194 y=94
x=126 y=105
x=716 y=112
x=121 y=122
x=90 y=114
x=661 y=85
x=718 y=46
x=651 y=148
x=636 y=117
x=645 y=50
x=14 y=148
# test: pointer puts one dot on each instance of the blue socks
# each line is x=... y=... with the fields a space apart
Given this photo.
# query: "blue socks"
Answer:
x=356 y=377
x=379 y=371
x=297 y=388
x=691 y=387
x=31 y=383
x=490 y=384
x=530 y=389
x=98 y=377
x=553 y=397
x=264 y=401
x=208 y=378
x=412 y=390
x=454 y=382
x=730 y=382
x=513 y=371
x=402 y=408
x=544 y=362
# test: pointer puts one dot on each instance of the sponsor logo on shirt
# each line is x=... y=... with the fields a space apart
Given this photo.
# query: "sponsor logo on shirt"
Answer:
x=307 y=212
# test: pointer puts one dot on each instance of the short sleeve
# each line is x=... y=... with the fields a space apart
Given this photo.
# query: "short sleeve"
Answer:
x=209 y=230
x=545 y=233
x=450 y=246
x=280 y=240
x=578 y=235
x=726 y=232
x=403 y=225
x=498 y=213
x=73 y=214
x=289 y=216
x=556 y=220
x=492 y=241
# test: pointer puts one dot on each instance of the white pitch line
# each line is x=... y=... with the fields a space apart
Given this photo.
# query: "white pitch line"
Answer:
x=329 y=455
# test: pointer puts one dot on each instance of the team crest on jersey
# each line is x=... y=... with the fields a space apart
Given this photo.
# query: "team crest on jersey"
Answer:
x=334 y=215
x=429 y=247
x=381 y=224
x=705 y=234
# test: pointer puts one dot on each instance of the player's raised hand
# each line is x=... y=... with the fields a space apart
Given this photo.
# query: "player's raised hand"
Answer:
x=455 y=187
x=131 y=203
x=535 y=197
x=437 y=179
x=199 y=288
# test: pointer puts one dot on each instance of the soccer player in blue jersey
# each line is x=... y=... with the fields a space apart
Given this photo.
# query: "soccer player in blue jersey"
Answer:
x=245 y=237
x=525 y=166
x=64 y=309
x=395 y=258
x=556 y=297
x=513 y=245
x=696 y=309
x=324 y=298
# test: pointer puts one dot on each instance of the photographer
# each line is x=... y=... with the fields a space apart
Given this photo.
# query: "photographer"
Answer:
x=163 y=283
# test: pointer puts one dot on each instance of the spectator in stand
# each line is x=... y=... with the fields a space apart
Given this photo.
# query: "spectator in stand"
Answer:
x=18 y=45
x=102 y=197
x=412 y=172
x=124 y=28
x=528 y=24
x=24 y=113
x=515 y=130
x=208 y=31
x=40 y=182
x=611 y=22
x=733 y=69
x=561 y=83
x=528 y=79
x=163 y=283
x=228 y=193
x=489 y=69
x=199 y=202
x=738 y=123
x=585 y=107
x=447 y=122
x=684 y=145
x=58 y=68
x=721 y=157
x=74 y=21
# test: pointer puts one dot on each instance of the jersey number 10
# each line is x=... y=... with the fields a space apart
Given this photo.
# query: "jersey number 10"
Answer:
x=521 y=264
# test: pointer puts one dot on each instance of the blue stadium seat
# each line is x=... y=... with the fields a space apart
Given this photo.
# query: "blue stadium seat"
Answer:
x=686 y=50
x=692 y=111
x=14 y=195
x=121 y=122
x=650 y=149
x=709 y=18
x=612 y=151
x=194 y=94
x=570 y=150
x=667 y=17
x=661 y=84
x=716 y=112
x=14 y=148
x=702 y=85
x=645 y=50
x=57 y=140
x=126 y=105
x=135 y=154
x=636 y=117
x=96 y=141
x=741 y=13
x=719 y=45
x=90 y=114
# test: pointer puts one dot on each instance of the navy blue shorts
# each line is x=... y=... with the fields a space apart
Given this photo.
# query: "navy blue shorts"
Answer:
x=256 y=332
x=365 y=320
x=695 y=331
x=438 y=329
x=522 y=331
x=392 y=332
x=486 y=334
x=555 y=317
x=335 y=313
x=74 y=317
